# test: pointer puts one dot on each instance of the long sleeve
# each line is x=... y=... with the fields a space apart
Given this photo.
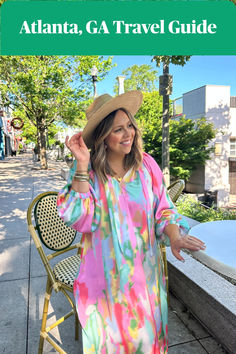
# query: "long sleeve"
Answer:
x=81 y=211
x=165 y=212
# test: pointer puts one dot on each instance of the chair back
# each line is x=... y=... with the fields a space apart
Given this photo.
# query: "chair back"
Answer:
x=175 y=189
x=51 y=229
x=47 y=228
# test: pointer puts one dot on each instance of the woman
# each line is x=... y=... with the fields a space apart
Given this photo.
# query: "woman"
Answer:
x=116 y=197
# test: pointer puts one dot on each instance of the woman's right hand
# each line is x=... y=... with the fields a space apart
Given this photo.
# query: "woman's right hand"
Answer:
x=79 y=149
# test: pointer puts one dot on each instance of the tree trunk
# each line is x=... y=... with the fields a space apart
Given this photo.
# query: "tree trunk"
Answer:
x=43 y=144
x=165 y=131
x=38 y=143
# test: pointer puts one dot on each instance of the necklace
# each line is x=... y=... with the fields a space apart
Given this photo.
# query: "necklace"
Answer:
x=119 y=176
x=119 y=179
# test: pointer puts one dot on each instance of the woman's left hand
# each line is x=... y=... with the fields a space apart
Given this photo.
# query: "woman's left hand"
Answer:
x=188 y=242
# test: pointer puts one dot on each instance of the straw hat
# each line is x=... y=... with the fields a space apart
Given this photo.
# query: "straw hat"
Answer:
x=103 y=105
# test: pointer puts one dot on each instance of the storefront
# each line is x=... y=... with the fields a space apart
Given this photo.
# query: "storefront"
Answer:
x=7 y=137
x=2 y=154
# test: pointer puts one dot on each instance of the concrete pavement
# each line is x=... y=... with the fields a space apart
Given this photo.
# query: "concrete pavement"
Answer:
x=23 y=279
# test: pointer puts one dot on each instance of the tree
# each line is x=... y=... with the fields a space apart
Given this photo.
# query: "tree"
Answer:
x=30 y=133
x=29 y=130
x=189 y=145
x=139 y=77
x=150 y=111
x=189 y=139
x=166 y=91
x=48 y=89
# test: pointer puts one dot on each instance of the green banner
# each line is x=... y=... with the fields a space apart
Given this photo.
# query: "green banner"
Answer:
x=118 y=27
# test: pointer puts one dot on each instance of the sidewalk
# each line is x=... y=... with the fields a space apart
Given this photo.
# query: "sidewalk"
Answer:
x=23 y=280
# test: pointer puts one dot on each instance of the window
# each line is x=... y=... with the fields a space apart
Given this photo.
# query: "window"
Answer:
x=233 y=147
x=233 y=101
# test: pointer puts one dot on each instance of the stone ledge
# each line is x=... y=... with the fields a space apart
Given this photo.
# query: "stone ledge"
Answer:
x=209 y=297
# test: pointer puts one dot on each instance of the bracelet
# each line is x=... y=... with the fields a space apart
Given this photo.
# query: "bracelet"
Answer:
x=81 y=176
x=81 y=179
x=82 y=172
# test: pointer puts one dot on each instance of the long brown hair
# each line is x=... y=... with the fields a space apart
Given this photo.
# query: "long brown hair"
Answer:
x=99 y=161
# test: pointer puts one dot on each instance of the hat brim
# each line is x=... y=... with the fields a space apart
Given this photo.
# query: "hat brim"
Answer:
x=130 y=101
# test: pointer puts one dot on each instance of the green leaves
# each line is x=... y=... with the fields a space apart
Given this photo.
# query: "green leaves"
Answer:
x=189 y=139
x=139 y=77
x=50 y=86
x=49 y=89
x=171 y=59
x=188 y=206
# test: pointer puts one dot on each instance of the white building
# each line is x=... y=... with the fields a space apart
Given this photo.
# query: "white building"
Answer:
x=219 y=173
x=61 y=136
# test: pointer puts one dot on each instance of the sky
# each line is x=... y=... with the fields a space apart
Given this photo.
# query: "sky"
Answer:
x=199 y=71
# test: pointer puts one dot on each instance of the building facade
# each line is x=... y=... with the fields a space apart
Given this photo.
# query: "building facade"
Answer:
x=219 y=173
x=7 y=134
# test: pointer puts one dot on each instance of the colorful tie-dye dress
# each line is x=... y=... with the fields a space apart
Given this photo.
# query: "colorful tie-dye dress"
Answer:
x=120 y=289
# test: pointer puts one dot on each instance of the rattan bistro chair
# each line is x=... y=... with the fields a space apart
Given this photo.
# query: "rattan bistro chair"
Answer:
x=48 y=229
x=174 y=190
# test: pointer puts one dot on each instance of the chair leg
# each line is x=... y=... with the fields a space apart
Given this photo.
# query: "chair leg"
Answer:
x=45 y=313
x=166 y=273
x=163 y=252
x=77 y=326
